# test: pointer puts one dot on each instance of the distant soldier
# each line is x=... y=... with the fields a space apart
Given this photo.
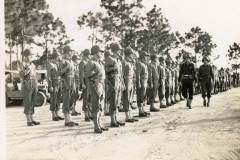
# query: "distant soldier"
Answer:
x=113 y=69
x=176 y=85
x=173 y=91
x=141 y=82
x=54 y=84
x=234 y=77
x=162 y=79
x=128 y=74
x=187 y=78
x=153 y=90
x=75 y=95
x=67 y=73
x=216 y=80
x=96 y=77
x=168 y=82
x=84 y=84
x=206 y=77
x=29 y=86
x=221 y=79
x=229 y=78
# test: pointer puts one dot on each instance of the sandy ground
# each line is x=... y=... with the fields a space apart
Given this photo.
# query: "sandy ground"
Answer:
x=174 y=133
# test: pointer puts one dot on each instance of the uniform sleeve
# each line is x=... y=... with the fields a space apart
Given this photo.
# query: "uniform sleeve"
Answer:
x=180 y=73
x=138 y=73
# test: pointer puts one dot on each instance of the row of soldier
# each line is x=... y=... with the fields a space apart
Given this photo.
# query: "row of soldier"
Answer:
x=109 y=81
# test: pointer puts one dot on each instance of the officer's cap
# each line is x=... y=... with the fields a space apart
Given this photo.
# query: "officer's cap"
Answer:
x=95 y=49
x=86 y=52
x=128 y=51
x=26 y=53
x=67 y=50
x=115 y=47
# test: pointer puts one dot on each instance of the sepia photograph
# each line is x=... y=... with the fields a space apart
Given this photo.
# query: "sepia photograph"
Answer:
x=120 y=80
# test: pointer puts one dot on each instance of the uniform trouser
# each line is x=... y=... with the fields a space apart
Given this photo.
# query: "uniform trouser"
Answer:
x=127 y=94
x=168 y=91
x=141 y=93
x=153 y=92
x=206 y=86
x=68 y=90
x=29 y=96
x=55 y=96
x=75 y=95
x=106 y=99
x=86 y=97
x=187 y=88
x=113 y=94
x=161 y=90
x=96 y=98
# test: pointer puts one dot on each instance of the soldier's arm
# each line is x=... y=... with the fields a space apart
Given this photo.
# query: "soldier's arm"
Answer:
x=110 y=65
x=180 y=73
x=150 y=78
x=138 y=73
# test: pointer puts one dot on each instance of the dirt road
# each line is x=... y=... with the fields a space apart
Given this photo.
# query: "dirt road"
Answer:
x=174 y=133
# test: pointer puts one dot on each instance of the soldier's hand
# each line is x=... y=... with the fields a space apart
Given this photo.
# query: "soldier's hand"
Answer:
x=51 y=89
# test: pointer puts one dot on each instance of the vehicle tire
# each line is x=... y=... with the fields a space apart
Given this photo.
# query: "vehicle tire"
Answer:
x=41 y=99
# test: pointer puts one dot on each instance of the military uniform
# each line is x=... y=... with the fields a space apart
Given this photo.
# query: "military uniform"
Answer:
x=205 y=77
x=168 y=83
x=68 y=88
x=154 y=81
x=221 y=79
x=29 y=88
x=75 y=95
x=187 y=78
x=128 y=75
x=84 y=84
x=141 y=83
x=162 y=79
x=96 y=77
x=54 y=84
x=113 y=69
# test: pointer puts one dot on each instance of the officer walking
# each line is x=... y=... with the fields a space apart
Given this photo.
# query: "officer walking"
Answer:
x=54 y=84
x=95 y=74
x=187 y=78
x=67 y=73
x=141 y=82
x=162 y=79
x=29 y=86
x=113 y=69
x=206 y=77
x=84 y=84
x=75 y=95
x=128 y=73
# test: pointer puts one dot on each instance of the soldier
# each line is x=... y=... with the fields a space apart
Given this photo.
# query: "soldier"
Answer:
x=173 y=73
x=216 y=80
x=176 y=89
x=162 y=79
x=221 y=79
x=113 y=69
x=128 y=73
x=95 y=74
x=168 y=83
x=84 y=84
x=187 y=78
x=153 y=72
x=29 y=86
x=206 y=77
x=67 y=73
x=75 y=95
x=54 y=84
x=141 y=82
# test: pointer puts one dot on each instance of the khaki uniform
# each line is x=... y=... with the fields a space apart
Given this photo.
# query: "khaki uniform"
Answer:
x=75 y=94
x=162 y=87
x=67 y=73
x=54 y=82
x=96 y=77
x=29 y=87
x=168 y=87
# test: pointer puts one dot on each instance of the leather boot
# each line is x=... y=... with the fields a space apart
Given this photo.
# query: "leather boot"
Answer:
x=208 y=102
x=153 y=108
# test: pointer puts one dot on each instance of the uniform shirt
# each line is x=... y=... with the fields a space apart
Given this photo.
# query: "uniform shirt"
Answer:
x=205 y=72
x=141 y=73
x=83 y=71
x=67 y=68
x=76 y=74
x=53 y=72
x=111 y=66
x=154 y=72
x=95 y=71
x=128 y=69
x=186 y=69
x=28 y=75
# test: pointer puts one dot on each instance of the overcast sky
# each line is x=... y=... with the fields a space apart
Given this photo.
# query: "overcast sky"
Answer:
x=218 y=17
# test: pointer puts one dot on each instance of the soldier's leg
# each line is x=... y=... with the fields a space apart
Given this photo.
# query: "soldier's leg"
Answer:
x=58 y=102
x=172 y=94
x=113 y=103
x=203 y=89
x=190 y=93
x=27 y=103
x=33 y=100
x=152 y=99
x=161 y=95
x=53 y=103
x=84 y=106
x=140 y=100
x=167 y=95
x=208 y=90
